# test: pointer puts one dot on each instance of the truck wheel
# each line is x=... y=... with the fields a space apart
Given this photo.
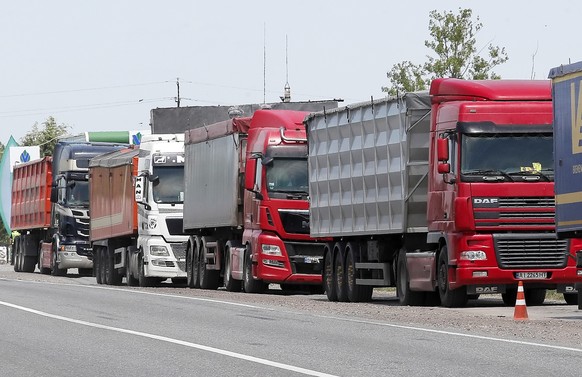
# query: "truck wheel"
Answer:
x=102 y=261
x=250 y=284
x=571 y=298
x=97 y=263
x=196 y=265
x=16 y=254
x=450 y=298
x=55 y=270
x=231 y=285
x=113 y=276
x=142 y=279
x=190 y=281
x=535 y=296
x=405 y=295
x=340 y=273
x=130 y=280
x=29 y=263
x=208 y=278
x=509 y=297
x=329 y=275
x=355 y=292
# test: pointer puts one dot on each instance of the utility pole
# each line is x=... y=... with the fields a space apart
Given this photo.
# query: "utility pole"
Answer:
x=178 y=86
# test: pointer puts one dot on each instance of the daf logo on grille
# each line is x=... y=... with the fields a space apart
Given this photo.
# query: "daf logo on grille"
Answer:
x=485 y=200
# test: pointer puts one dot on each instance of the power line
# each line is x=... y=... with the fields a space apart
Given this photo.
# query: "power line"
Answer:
x=82 y=89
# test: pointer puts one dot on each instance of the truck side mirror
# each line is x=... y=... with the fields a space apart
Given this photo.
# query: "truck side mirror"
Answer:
x=444 y=168
x=54 y=194
x=253 y=175
x=442 y=149
x=251 y=166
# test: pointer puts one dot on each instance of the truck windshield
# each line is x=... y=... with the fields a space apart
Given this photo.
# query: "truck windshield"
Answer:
x=78 y=193
x=507 y=155
x=169 y=187
x=287 y=175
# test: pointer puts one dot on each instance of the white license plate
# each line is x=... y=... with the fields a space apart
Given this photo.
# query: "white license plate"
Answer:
x=531 y=275
x=311 y=260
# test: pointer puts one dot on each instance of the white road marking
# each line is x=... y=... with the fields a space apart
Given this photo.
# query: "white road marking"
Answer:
x=219 y=351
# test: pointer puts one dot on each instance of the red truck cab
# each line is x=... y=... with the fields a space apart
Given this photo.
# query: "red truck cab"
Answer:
x=491 y=192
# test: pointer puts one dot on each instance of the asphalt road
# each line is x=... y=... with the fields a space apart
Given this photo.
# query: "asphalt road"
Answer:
x=64 y=329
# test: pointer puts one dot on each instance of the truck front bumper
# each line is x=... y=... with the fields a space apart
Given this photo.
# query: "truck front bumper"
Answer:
x=163 y=268
x=70 y=259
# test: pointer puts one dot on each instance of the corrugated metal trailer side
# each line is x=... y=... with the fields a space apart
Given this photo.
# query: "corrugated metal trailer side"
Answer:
x=31 y=193
x=368 y=166
x=212 y=175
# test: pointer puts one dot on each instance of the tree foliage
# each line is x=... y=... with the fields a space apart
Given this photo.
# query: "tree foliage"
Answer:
x=454 y=44
x=46 y=137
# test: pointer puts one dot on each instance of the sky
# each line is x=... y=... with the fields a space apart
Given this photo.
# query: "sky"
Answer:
x=103 y=65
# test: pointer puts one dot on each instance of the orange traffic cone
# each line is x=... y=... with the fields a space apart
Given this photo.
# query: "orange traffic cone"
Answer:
x=520 y=312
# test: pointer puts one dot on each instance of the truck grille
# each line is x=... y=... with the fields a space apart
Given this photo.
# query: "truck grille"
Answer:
x=179 y=250
x=298 y=251
x=295 y=222
x=509 y=213
x=175 y=226
x=524 y=251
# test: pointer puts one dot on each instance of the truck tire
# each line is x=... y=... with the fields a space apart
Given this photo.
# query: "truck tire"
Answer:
x=355 y=292
x=196 y=263
x=16 y=252
x=231 y=285
x=209 y=279
x=450 y=298
x=130 y=280
x=112 y=276
x=29 y=263
x=190 y=276
x=97 y=263
x=405 y=295
x=250 y=284
x=55 y=270
x=509 y=297
x=329 y=274
x=142 y=279
x=340 y=273
x=535 y=296
x=571 y=298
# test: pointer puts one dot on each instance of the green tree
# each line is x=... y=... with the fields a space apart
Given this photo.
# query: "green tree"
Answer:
x=4 y=236
x=454 y=42
x=46 y=137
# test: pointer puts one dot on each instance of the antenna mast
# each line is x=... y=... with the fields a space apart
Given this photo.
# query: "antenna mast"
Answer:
x=287 y=93
x=264 y=62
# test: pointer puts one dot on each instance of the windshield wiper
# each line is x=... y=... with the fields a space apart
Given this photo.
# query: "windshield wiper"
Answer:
x=486 y=173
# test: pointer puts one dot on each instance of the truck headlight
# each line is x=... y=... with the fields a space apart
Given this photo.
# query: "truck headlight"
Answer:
x=472 y=255
x=69 y=248
x=272 y=250
x=159 y=251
